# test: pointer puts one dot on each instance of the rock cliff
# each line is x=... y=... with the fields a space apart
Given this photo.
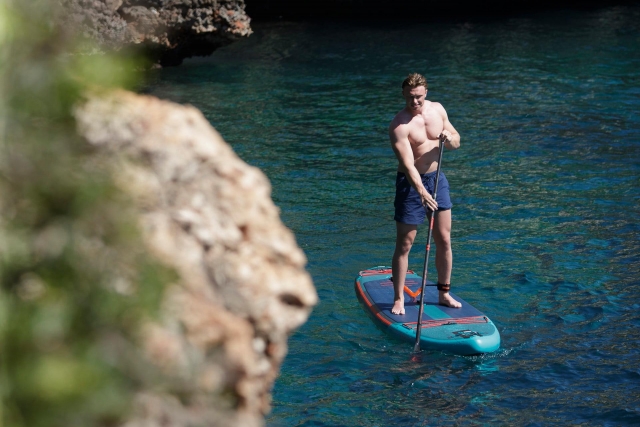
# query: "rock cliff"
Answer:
x=242 y=287
x=166 y=31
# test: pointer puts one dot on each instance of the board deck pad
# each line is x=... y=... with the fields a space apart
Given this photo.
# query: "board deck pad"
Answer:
x=464 y=330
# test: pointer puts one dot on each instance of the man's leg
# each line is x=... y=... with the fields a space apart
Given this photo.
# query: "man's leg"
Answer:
x=406 y=233
x=444 y=255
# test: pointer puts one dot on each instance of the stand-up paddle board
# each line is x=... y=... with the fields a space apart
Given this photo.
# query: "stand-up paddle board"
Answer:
x=463 y=331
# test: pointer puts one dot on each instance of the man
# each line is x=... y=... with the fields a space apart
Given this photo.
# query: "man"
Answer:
x=415 y=134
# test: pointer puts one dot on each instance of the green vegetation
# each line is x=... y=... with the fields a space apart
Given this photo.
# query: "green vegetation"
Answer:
x=75 y=281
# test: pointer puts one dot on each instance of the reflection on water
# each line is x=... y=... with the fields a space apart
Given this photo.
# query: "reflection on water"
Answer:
x=545 y=208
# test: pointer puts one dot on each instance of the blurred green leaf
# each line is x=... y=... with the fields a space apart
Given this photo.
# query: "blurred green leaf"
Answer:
x=74 y=275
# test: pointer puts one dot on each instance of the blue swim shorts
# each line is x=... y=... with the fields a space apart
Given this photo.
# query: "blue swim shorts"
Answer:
x=409 y=209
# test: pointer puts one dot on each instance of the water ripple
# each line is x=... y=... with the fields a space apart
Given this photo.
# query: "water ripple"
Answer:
x=545 y=208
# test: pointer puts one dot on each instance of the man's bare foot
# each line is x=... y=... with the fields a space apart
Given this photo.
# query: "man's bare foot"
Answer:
x=398 y=307
x=447 y=300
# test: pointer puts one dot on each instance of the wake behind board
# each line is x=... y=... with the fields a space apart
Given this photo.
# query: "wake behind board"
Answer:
x=463 y=331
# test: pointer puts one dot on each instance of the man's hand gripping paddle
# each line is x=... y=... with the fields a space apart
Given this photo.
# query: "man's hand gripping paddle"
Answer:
x=431 y=215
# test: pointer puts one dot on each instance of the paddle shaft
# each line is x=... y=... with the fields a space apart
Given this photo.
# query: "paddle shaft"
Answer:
x=432 y=215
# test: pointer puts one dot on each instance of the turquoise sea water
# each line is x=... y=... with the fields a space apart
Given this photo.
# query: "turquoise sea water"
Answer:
x=545 y=219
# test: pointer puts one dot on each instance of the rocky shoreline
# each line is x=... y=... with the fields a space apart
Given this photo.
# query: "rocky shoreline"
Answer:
x=129 y=225
x=164 y=31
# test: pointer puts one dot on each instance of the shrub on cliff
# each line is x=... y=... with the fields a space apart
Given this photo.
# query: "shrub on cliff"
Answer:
x=75 y=284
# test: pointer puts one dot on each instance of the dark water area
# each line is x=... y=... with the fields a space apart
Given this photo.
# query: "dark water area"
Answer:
x=351 y=11
x=545 y=218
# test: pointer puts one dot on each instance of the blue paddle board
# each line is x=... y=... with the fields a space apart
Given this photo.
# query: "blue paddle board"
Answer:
x=462 y=331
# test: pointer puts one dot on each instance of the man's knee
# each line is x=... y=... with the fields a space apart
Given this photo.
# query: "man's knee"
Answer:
x=403 y=245
x=404 y=238
x=443 y=240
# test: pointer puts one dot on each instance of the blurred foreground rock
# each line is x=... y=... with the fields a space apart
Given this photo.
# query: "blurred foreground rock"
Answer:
x=242 y=288
x=166 y=31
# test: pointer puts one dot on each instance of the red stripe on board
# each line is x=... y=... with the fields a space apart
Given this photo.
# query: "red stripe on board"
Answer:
x=376 y=311
x=450 y=321
x=365 y=273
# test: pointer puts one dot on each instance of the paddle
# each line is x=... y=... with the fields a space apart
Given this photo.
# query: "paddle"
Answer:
x=432 y=215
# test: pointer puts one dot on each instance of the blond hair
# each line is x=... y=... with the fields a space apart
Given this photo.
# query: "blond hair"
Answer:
x=414 y=80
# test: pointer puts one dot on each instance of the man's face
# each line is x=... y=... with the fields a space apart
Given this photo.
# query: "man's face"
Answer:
x=414 y=97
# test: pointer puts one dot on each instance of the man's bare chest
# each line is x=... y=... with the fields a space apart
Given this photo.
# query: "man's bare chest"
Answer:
x=425 y=128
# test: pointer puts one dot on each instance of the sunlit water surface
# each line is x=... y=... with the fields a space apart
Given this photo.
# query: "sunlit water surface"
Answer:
x=546 y=208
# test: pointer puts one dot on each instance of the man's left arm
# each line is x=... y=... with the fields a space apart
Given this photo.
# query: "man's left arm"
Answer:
x=451 y=135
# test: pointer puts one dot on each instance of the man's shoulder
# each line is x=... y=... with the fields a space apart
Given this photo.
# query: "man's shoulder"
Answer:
x=399 y=126
x=436 y=106
x=402 y=117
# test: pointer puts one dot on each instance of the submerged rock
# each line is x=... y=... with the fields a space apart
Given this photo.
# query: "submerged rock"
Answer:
x=166 y=31
x=242 y=288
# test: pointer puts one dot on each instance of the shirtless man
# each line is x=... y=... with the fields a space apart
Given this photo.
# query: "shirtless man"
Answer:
x=415 y=134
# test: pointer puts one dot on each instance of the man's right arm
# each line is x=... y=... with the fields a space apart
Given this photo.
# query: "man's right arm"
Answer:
x=399 y=136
